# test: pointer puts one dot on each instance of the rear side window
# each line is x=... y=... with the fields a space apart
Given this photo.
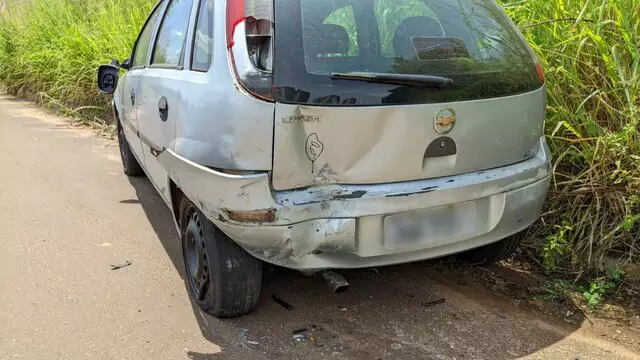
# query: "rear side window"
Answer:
x=471 y=42
x=172 y=34
x=203 y=37
x=142 y=47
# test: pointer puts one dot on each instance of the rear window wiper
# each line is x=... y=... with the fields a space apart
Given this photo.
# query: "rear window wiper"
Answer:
x=430 y=81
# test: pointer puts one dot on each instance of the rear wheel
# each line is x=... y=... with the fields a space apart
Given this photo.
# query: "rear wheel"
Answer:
x=129 y=162
x=222 y=278
x=492 y=253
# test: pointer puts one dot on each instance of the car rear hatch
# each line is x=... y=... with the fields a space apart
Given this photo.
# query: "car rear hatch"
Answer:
x=378 y=91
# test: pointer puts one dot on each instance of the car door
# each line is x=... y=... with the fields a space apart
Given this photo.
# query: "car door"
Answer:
x=131 y=80
x=161 y=88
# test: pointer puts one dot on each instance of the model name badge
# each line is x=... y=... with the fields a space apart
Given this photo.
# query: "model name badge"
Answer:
x=300 y=119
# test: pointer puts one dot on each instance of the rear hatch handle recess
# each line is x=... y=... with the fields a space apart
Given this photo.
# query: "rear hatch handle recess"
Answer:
x=429 y=81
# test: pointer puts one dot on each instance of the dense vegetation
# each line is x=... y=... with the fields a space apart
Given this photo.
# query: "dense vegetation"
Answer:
x=54 y=47
x=589 y=48
x=591 y=52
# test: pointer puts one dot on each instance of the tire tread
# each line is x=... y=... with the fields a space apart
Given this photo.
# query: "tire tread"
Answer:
x=236 y=276
x=130 y=165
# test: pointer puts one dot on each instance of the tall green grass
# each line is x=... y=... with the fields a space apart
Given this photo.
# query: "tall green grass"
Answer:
x=55 y=46
x=591 y=53
x=589 y=48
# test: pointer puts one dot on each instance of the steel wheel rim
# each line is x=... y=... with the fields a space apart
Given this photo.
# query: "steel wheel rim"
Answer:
x=195 y=256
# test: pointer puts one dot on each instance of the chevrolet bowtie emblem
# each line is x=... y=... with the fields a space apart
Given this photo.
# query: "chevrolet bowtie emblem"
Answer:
x=444 y=121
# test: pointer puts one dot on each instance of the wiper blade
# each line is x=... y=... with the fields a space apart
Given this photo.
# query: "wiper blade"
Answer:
x=430 y=81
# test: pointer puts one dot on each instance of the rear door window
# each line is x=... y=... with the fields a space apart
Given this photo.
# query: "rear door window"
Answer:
x=203 y=37
x=171 y=37
x=471 y=42
x=144 y=40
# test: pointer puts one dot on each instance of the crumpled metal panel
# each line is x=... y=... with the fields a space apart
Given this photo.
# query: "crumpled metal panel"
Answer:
x=320 y=244
x=332 y=201
x=213 y=191
x=319 y=145
x=335 y=226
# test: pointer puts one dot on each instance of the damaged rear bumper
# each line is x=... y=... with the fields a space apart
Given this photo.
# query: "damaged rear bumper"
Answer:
x=343 y=226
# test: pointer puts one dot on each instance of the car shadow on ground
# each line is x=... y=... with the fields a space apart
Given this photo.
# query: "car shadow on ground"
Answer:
x=413 y=311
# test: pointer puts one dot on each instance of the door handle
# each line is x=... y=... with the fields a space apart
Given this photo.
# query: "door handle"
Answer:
x=133 y=97
x=163 y=108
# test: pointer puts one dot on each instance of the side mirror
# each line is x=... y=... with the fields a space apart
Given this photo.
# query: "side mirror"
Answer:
x=126 y=64
x=108 y=78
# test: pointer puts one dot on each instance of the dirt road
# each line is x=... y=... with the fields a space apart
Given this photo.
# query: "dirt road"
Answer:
x=67 y=213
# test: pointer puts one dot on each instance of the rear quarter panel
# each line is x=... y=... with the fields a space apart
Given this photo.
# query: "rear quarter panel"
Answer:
x=222 y=126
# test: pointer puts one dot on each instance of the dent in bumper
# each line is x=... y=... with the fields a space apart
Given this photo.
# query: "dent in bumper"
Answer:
x=283 y=244
x=340 y=226
x=355 y=243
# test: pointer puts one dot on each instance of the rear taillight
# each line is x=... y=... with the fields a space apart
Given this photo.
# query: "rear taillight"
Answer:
x=235 y=15
x=540 y=73
x=250 y=45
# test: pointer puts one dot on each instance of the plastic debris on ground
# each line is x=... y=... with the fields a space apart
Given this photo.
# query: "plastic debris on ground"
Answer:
x=282 y=303
x=120 y=266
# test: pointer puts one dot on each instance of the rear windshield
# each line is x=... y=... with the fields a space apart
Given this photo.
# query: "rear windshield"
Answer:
x=472 y=42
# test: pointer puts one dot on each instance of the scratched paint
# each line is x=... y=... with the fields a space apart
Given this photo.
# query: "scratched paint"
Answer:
x=315 y=227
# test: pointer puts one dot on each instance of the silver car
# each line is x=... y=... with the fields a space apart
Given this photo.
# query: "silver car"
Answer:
x=332 y=134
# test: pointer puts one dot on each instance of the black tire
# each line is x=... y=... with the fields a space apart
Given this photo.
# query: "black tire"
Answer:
x=492 y=253
x=222 y=278
x=129 y=162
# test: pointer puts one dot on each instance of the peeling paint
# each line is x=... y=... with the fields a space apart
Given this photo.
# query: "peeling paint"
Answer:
x=423 y=191
x=321 y=220
x=316 y=228
x=354 y=195
x=324 y=205
x=326 y=175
